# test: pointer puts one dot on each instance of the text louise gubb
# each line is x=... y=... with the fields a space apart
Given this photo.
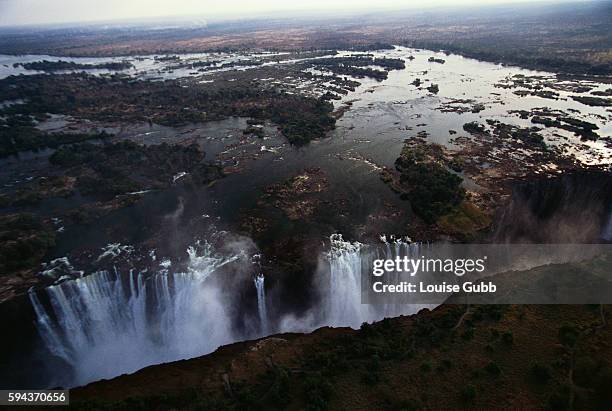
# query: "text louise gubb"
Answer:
x=420 y=287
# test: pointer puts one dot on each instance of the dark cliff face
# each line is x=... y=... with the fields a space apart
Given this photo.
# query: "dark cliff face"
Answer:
x=572 y=208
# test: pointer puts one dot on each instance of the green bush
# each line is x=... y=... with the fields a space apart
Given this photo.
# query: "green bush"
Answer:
x=603 y=391
x=568 y=335
x=468 y=394
x=493 y=369
x=426 y=366
x=468 y=334
x=540 y=373
x=444 y=365
x=407 y=405
x=507 y=337
x=370 y=378
x=433 y=190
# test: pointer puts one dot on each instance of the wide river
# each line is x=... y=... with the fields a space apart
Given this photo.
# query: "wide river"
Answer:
x=117 y=323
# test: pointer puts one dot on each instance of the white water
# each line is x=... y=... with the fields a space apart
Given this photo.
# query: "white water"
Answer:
x=262 y=309
x=104 y=325
x=348 y=264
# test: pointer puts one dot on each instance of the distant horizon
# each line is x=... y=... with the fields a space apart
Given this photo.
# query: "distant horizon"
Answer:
x=17 y=13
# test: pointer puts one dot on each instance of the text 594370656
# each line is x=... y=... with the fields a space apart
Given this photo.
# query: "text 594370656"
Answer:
x=34 y=397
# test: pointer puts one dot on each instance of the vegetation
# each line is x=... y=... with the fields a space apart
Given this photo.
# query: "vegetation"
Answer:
x=593 y=101
x=257 y=131
x=474 y=127
x=373 y=47
x=465 y=221
x=300 y=120
x=583 y=129
x=433 y=89
x=125 y=167
x=61 y=65
x=18 y=133
x=24 y=241
x=357 y=66
x=433 y=191
x=540 y=373
x=361 y=61
x=468 y=393
x=117 y=98
x=436 y=60
x=482 y=49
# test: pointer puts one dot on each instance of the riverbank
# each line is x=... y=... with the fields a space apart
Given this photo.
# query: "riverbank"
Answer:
x=425 y=361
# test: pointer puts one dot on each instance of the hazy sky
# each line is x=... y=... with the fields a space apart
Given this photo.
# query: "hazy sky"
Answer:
x=18 y=12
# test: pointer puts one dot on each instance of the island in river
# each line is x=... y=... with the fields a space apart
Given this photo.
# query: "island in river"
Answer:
x=129 y=181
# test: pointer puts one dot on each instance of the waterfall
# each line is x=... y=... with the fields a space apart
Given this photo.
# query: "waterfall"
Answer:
x=106 y=324
x=344 y=301
x=110 y=323
x=262 y=310
x=349 y=263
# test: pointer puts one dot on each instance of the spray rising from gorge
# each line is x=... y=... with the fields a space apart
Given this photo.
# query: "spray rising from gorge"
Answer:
x=106 y=324
x=120 y=320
